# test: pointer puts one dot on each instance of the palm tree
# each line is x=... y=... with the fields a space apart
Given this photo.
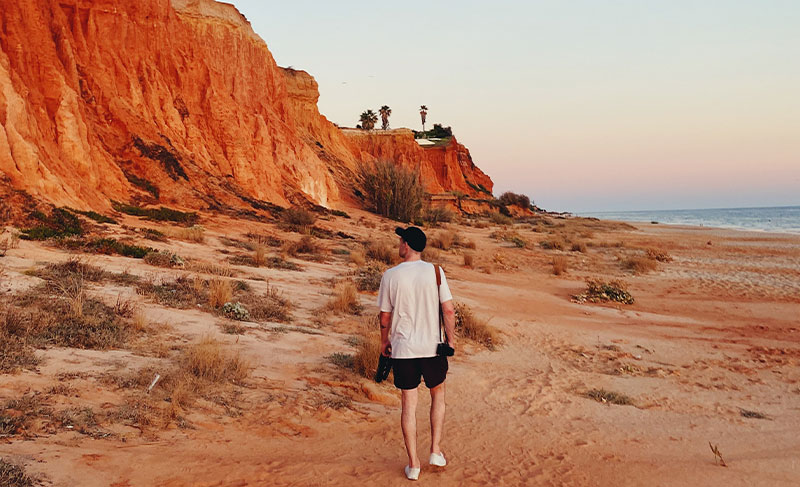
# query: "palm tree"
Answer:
x=423 y=112
x=385 y=111
x=368 y=119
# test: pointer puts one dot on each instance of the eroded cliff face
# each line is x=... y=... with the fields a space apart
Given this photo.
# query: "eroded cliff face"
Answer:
x=176 y=102
x=96 y=97
x=442 y=169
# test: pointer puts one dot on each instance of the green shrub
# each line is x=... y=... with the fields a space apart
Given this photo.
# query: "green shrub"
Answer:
x=142 y=183
x=111 y=246
x=598 y=291
x=61 y=223
x=161 y=214
x=236 y=311
x=509 y=198
x=342 y=360
x=95 y=216
x=390 y=190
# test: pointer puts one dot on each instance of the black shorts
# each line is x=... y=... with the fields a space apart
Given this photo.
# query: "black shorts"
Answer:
x=407 y=371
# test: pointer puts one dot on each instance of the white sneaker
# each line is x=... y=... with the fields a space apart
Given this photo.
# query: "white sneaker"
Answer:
x=412 y=473
x=437 y=459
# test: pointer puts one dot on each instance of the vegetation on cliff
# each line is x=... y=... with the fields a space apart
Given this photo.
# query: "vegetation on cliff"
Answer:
x=385 y=112
x=368 y=119
x=390 y=190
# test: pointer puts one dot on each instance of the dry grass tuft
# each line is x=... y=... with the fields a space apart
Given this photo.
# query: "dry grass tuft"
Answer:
x=15 y=353
x=639 y=265
x=609 y=397
x=469 y=260
x=44 y=316
x=745 y=413
x=58 y=271
x=17 y=415
x=358 y=258
x=232 y=328
x=307 y=247
x=559 y=265
x=260 y=255
x=369 y=278
x=207 y=360
x=220 y=291
x=473 y=328
x=12 y=475
x=500 y=219
x=164 y=258
x=579 y=247
x=270 y=306
x=553 y=244
x=383 y=252
x=368 y=347
x=298 y=220
x=717 y=455
x=445 y=240
x=345 y=299
x=606 y=244
x=659 y=255
x=71 y=289
x=222 y=270
x=139 y=322
x=430 y=254
x=195 y=233
x=184 y=292
x=8 y=241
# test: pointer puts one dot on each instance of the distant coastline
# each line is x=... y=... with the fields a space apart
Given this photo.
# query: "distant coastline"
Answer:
x=780 y=219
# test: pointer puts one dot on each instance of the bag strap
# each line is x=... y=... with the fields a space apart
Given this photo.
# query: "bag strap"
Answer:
x=442 y=332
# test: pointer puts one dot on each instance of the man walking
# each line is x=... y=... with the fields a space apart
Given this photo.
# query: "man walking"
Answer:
x=409 y=301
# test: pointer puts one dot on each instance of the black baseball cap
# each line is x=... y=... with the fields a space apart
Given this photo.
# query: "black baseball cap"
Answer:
x=413 y=236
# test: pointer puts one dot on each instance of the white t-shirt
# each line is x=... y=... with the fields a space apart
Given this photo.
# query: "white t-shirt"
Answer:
x=408 y=291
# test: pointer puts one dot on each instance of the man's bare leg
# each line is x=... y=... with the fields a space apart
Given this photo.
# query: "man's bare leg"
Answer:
x=437 y=417
x=408 y=421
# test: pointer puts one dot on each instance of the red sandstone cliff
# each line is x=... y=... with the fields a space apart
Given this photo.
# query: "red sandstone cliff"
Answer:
x=183 y=94
x=100 y=98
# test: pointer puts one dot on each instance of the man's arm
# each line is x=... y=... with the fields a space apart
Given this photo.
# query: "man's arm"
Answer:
x=449 y=313
x=386 y=323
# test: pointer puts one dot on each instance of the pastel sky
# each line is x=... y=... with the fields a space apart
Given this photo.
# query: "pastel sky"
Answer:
x=584 y=105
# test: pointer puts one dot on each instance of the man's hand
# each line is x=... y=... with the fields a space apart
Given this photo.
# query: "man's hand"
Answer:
x=386 y=348
x=449 y=314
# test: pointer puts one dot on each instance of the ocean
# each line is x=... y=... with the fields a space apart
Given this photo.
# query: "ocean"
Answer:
x=782 y=219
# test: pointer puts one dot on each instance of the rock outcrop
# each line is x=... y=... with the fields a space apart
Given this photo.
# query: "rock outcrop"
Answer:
x=443 y=169
x=177 y=102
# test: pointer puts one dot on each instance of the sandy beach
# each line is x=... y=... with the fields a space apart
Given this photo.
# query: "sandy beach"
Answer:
x=707 y=354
